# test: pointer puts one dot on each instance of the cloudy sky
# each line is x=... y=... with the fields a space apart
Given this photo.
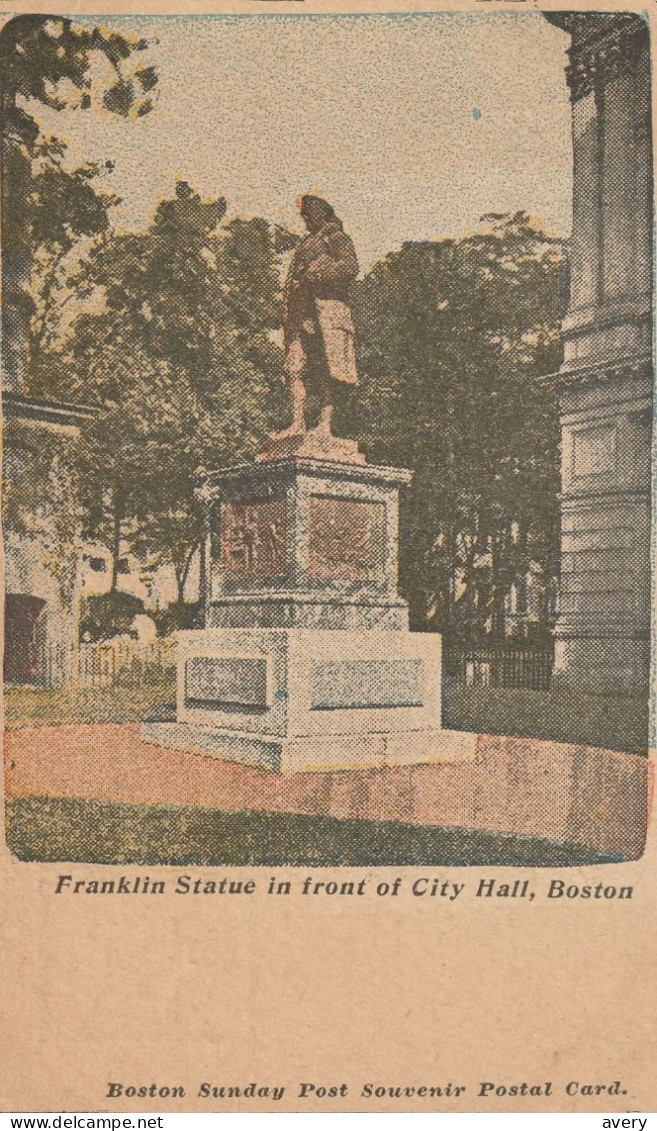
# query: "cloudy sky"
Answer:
x=414 y=126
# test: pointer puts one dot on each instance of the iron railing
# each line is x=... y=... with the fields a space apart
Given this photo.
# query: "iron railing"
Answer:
x=529 y=668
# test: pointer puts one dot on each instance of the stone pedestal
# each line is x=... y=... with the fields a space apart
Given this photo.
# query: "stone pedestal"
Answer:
x=304 y=543
x=306 y=661
x=311 y=699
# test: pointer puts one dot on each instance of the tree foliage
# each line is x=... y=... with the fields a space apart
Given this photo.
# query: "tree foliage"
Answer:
x=179 y=360
x=108 y=614
x=66 y=214
x=453 y=336
x=46 y=208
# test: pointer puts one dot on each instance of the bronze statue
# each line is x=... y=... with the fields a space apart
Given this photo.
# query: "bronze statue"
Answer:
x=317 y=324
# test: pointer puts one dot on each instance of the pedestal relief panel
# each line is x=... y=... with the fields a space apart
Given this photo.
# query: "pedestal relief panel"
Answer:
x=346 y=539
x=236 y=681
x=358 y=684
x=253 y=537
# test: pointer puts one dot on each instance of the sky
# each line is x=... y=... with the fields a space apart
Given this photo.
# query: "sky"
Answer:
x=412 y=125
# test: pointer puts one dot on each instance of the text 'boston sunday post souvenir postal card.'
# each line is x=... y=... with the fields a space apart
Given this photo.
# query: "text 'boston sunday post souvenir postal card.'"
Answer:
x=327 y=403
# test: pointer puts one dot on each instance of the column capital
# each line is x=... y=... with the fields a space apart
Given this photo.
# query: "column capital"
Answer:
x=604 y=45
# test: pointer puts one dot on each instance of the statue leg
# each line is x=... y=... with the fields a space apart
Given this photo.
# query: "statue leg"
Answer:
x=322 y=385
x=326 y=406
x=295 y=368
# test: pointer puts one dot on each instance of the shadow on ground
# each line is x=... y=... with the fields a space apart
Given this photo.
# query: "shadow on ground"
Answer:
x=613 y=722
x=95 y=832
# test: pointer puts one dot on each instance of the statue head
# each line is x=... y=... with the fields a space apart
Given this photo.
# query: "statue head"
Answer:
x=315 y=212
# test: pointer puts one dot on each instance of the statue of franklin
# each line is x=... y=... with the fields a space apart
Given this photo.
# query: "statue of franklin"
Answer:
x=318 y=328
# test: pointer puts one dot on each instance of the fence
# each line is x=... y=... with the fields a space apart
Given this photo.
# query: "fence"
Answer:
x=124 y=661
x=56 y=665
x=529 y=668
x=112 y=662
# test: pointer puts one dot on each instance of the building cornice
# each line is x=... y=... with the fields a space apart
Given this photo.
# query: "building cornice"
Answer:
x=604 y=46
x=637 y=368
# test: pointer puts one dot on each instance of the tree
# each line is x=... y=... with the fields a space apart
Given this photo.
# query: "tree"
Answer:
x=460 y=330
x=116 y=451
x=179 y=358
x=43 y=59
x=66 y=214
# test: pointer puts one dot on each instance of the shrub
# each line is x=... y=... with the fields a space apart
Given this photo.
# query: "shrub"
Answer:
x=107 y=615
x=177 y=615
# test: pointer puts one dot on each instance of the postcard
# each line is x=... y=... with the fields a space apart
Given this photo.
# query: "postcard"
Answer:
x=326 y=498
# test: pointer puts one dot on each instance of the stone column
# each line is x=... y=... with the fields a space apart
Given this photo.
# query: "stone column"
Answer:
x=604 y=387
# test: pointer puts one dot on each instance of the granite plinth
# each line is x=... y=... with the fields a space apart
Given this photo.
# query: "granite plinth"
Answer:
x=314 y=444
x=307 y=610
x=316 y=755
x=309 y=699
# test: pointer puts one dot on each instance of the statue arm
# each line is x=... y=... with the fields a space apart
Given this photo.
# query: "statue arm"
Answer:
x=337 y=266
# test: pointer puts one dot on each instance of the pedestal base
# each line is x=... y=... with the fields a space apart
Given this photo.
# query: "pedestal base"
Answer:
x=339 y=752
x=309 y=699
x=308 y=610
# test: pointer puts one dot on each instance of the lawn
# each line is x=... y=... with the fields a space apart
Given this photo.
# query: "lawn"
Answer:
x=47 y=829
x=614 y=722
x=117 y=703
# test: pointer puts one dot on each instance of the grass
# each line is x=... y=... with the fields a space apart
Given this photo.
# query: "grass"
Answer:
x=95 y=832
x=614 y=722
x=120 y=703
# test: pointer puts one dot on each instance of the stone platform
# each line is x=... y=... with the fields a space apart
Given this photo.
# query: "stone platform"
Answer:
x=307 y=699
x=314 y=444
x=306 y=661
x=564 y=792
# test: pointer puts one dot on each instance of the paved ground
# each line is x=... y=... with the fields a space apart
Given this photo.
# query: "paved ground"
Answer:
x=568 y=794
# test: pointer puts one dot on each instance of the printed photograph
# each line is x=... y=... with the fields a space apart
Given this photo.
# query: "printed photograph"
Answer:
x=327 y=417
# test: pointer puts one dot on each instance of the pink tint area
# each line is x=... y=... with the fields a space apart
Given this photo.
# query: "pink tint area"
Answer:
x=564 y=792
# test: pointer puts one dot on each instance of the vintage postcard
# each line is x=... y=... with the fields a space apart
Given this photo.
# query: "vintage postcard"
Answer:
x=327 y=408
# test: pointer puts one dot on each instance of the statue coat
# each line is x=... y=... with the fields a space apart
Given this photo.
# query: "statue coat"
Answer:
x=316 y=299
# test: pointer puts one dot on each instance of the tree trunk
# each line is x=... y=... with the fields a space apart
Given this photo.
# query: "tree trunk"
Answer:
x=16 y=259
x=39 y=332
x=498 y=595
x=452 y=566
x=183 y=574
x=117 y=522
x=203 y=573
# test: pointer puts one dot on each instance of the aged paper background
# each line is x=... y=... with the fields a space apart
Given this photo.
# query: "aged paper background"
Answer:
x=399 y=991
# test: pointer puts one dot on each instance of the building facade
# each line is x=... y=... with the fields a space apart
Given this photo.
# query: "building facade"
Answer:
x=42 y=572
x=604 y=388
